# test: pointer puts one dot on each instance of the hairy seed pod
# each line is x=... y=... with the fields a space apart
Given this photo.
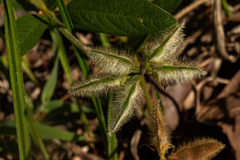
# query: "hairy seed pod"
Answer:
x=175 y=72
x=159 y=132
x=112 y=61
x=199 y=149
x=97 y=85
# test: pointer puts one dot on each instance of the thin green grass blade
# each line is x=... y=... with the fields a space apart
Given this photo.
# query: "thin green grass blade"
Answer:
x=47 y=132
x=50 y=85
x=3 y=69
x=84 y=66
x=63 y=58
x=112 y=141
x=28 y=71
x=69 y=25
x=226 y=8
x=34 y=129
x=16 y=77
x=59 y=110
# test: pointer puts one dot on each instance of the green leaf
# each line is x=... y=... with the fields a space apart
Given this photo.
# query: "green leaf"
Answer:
x=97 y=85
x=50 y=85
x=112 y=61
x=119 y=17
x=126 y=100
x=35 y=133
x=30 y=29
x=167 y=5
x=177 y=72
x=51 y=105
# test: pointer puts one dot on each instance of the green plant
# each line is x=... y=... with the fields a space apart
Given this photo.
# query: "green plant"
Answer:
x=122 y=76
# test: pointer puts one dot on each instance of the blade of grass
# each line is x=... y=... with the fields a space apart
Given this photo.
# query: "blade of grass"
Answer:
x=226 y=8
x=17 y=84
x=112 y=141
x=3 y=69
x=63 y=58
x=84 y=66
x=34 y=129
x=28 y=71
x=50 y=85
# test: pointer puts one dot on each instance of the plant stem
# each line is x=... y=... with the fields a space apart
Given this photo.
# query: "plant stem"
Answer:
x=42 y=6
x=104 y=40
x=135 y=49
x=16 y=78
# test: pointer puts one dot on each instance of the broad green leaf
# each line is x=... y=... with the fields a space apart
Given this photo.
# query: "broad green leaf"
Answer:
x=202 y=149
x=30 y=29
x=96 y=86
x=112 y=61
x=50 y=85
x=178 y=72
x=166 y=46
x=167 y=5
x=119 y=17
x=126 y=100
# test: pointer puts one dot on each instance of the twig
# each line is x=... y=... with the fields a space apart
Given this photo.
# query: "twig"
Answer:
x=134 y=144
x=189 y=8
x=219 y=33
